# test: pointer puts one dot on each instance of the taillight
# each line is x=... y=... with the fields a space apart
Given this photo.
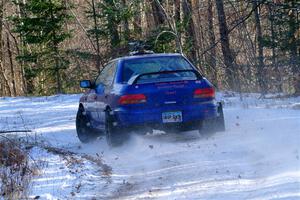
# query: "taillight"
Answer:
x=204 y=93
x=132 y=99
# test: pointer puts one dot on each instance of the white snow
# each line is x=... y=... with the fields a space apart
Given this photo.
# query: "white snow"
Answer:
x=257 y=157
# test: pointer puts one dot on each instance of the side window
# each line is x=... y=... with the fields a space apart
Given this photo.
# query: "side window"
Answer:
x=107 y=75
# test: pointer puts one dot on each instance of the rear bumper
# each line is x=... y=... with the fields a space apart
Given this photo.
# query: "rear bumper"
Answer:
x=190 y=113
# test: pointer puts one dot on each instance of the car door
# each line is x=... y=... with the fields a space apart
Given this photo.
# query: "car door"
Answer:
x=91 y=97
x=103 y=87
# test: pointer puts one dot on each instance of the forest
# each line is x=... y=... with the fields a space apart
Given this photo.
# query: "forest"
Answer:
x=48 y=46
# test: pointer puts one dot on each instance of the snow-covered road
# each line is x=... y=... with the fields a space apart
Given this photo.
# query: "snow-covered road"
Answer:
x=256 y=158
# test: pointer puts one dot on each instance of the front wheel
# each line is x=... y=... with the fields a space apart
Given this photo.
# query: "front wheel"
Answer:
x=114 y=136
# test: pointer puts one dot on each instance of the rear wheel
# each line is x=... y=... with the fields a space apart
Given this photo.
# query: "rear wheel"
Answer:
x=85 y=133
x=114 y=136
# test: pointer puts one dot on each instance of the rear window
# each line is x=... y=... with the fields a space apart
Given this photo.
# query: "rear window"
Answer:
x=156 y=64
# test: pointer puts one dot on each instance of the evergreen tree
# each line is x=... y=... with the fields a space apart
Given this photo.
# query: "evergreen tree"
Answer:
x=111 y=21
x=42 y=29
x=286 y=23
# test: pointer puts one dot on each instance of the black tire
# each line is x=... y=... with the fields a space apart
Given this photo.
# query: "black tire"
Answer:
x=114 y=137
x=85 y=133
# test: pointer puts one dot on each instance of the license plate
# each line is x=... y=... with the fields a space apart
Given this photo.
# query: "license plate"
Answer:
x=171 y=117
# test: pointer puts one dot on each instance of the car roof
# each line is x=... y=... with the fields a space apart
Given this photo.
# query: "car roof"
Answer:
x=148 y=56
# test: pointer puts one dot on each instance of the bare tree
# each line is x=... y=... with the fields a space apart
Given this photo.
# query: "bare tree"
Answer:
x=12 y=70
x=158 y=13
x=97 y=38
x=227 y=53
x=190 y=32
x=294 y=57
x=274 y=56
x=5 y=82
x=261 y=64
x=177 y=15
x=212 y=39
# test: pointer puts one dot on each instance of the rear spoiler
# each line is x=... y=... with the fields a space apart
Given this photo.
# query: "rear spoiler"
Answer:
x=134 y=79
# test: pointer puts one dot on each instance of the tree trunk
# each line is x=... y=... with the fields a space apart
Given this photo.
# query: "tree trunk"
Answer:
x=4 y=79
x=57 y=59
x=212 y=40
x=21 y=14
x=158 y=14
x=126 y=25
x=58 y=78
x=294 y=58
x=137 y=23
x=149 y=18
x=98 y=58
x=199 y=31
x=190 y=32
x=12 y=71
x=274 y=60
x=113 y=26
x=177 y=15
x=261 y=64
x=227 y=54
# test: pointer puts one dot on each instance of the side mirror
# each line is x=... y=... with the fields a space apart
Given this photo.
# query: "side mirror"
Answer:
x=85 y=84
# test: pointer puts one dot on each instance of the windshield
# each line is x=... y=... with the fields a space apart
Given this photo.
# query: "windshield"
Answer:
x=156 y=64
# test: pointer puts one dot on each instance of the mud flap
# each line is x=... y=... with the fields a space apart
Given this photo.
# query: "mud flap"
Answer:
x=220 y=122
x=217 y=124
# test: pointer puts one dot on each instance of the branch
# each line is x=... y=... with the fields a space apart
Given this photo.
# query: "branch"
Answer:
x=171 y=26
x=16 y=131
x=233 y=28
x=81 y=26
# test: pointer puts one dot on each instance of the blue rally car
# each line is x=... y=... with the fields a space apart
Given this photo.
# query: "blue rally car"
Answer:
x=146 y=92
